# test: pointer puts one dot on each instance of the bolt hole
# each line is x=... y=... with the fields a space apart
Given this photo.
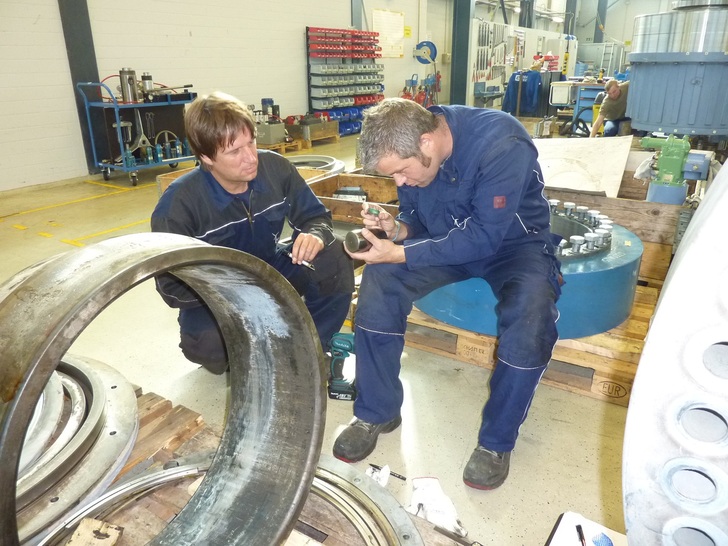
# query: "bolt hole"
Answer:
x=112 y=433
x=704 y=425
x=689 y=536
x=54 y=499
x=715 y=359
x=694 y=485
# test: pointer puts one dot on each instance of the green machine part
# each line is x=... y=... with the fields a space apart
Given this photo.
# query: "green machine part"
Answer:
x=671 y=160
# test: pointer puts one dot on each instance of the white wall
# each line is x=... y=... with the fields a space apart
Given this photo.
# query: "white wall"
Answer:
x=619 y=24
x=249 y=49
x=40 y=136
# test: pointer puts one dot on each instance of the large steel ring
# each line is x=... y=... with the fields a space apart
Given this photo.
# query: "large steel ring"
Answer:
x=267 y=458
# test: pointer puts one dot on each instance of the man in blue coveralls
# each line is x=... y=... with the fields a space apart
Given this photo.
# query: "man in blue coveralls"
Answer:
x=240 y=197
x=470 y=205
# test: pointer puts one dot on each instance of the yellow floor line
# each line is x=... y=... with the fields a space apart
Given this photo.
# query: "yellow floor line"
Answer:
x=20 y=226
x=81 y=200
x=77 y=241
x=44 y=234
x=115 y=187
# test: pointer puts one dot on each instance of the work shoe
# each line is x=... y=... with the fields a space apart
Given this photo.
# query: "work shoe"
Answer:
x=487 y=469
x=359 y=439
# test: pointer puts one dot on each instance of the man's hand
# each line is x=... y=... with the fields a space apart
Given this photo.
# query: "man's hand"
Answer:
x=305 y=248
x=381 y=252
x=375 y=217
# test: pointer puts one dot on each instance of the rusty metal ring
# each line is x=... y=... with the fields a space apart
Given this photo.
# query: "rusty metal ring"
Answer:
x=267 y=458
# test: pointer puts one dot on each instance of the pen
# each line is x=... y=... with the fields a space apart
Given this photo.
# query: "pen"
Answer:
x=580 y=532
x=393 y=474
x=303 y=262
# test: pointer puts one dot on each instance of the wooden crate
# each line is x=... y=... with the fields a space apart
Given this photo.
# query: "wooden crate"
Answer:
x=378 y=190
x=308 y=134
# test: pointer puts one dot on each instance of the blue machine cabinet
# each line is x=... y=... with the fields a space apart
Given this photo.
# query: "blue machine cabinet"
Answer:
x=128 y=144
x=585 y=96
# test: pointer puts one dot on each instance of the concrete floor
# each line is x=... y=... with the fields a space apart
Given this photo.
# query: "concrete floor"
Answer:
x=568 y=457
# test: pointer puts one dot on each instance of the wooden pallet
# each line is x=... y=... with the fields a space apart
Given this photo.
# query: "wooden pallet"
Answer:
x=283 y=147
x=601 y=366
x=168 y=432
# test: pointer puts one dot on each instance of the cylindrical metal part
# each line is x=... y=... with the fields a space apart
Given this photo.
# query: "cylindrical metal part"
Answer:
x=569 y=208
x=591 y=217
x=554 y=204
x=590 y=239
x=603 y=237
x=576 y=242
x=355 y=241
x=147 y=82
x=128 y=84
x=275 y=422
x=581 y=212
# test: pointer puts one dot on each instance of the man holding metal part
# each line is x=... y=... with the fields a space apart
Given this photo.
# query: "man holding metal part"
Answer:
x=470 y=205
x=239 y=197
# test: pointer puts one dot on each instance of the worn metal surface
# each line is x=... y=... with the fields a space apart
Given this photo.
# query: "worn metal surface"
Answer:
x=47 y=415
x=266 y=461
x=675 y=463
x=73 y=433
x=87 y=473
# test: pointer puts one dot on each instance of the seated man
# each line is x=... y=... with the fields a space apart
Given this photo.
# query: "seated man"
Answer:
x=612 y=110
x=239 y=197
x=470 y=205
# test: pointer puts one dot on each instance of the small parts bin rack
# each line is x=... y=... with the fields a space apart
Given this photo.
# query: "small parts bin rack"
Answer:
x=133 y=145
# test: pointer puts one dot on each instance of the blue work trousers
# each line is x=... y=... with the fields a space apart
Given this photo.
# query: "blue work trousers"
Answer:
x=525 y=281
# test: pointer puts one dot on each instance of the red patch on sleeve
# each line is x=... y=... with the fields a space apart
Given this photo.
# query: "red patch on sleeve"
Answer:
x=499 y=202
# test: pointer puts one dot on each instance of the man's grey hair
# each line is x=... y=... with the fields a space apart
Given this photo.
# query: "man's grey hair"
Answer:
x=394 y=126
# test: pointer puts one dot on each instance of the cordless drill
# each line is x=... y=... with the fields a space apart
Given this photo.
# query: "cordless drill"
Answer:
x=341 y=346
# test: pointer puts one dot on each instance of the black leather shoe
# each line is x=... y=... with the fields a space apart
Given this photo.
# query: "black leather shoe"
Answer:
x=359 y=439
x=487 y=469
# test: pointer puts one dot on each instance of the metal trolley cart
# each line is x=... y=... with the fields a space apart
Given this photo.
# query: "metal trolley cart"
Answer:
x=121 y=140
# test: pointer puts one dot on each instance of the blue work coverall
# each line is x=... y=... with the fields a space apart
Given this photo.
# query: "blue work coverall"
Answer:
x=197 y=206
x=484 y=215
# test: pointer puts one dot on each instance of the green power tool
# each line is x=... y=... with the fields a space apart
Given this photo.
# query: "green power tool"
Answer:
x=341 y=347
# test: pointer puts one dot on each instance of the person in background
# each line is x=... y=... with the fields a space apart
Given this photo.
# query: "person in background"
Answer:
x=241 y=197
x=471 y=204
x=613 y=110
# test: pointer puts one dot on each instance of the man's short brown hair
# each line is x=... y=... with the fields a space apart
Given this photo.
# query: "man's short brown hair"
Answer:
x=214 y=121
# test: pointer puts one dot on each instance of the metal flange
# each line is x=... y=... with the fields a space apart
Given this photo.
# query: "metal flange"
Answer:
x=258 y=482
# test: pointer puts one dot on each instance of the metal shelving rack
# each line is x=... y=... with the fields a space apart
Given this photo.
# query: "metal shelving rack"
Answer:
x=136 y=151
x=343 y=75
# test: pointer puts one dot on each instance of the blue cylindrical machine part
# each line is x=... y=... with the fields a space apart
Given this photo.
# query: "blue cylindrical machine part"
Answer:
x=679 y=71
x=670 y=194
x=597 y=295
